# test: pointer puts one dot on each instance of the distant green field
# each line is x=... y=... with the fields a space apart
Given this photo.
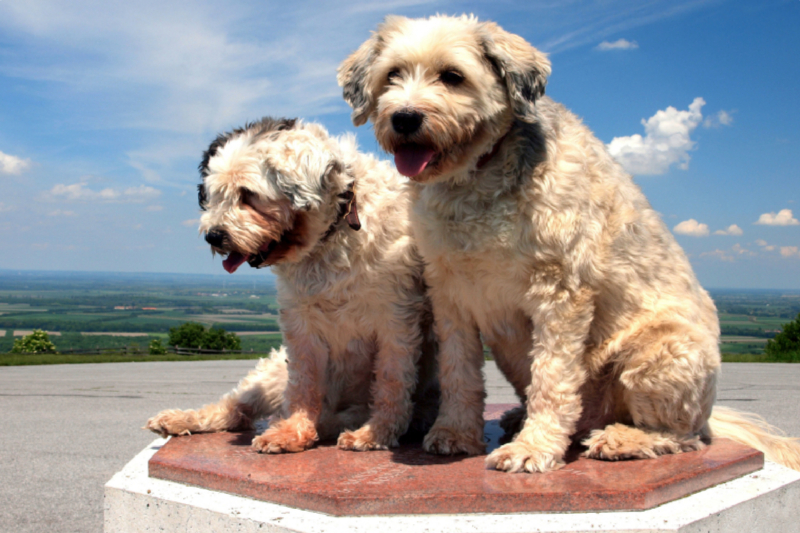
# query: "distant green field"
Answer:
x=72 y=303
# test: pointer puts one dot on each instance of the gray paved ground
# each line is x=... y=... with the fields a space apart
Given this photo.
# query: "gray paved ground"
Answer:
x=66 y=429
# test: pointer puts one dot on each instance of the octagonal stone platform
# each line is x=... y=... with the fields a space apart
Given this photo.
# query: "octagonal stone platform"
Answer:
x=408 y=481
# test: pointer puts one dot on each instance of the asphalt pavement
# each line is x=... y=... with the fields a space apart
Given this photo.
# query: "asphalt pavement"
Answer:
x=66 y=429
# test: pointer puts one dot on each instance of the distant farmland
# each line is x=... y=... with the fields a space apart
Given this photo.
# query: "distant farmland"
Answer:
x=109 y=310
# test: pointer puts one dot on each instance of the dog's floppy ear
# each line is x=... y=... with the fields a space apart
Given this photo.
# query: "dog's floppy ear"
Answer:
x=523 y=68
x=354 y=73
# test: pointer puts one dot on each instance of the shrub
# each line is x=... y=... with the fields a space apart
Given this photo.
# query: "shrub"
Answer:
x=36 y=342
x=188 y=335
x=786 y=344
x=194 y=335
x=156 y=348
x=219 y=339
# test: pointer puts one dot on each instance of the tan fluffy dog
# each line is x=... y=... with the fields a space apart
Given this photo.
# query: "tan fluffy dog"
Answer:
x=537 y=240
x=353 y=313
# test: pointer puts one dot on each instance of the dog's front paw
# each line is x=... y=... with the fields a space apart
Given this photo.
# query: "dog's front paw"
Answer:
x=172 y=422
x=522 y=457
x=289 y=435
x=364 y=439
x=449 y=441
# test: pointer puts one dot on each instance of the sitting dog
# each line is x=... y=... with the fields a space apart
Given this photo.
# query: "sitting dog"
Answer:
x=333 y=225
x=536 y=239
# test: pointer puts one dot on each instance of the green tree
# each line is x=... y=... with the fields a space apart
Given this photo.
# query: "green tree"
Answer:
x=194 y=335
x=36 y=342
x=786 y=344
x=219 y=339
x=156 y=348
x=188 y=335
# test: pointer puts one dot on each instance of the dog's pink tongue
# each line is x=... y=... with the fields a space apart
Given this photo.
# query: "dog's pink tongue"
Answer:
x=411 y=159
x=233 y=261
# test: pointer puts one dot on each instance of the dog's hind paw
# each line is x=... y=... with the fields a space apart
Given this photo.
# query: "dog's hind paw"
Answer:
x=172 y=422
x=448 y=441
x=522 y=457
x=618 y=441
x=363 y=439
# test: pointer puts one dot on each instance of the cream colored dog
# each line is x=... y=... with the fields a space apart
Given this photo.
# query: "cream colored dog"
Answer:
x=535 y=239
x=333 y=225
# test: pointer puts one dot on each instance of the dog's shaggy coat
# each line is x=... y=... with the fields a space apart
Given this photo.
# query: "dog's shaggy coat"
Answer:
x=536 y=239
x=353 y=310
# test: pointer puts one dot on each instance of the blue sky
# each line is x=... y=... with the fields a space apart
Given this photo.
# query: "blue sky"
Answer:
x=106 y=107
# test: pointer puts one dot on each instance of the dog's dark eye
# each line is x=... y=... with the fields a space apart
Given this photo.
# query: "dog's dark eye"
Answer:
x=393 y=75
x=202 y=198
x=451 y=77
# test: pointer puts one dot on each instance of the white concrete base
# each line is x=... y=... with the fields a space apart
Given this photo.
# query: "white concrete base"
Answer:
x=766 y=501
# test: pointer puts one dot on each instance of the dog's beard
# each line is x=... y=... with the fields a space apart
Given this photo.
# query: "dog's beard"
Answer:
x=272 y=250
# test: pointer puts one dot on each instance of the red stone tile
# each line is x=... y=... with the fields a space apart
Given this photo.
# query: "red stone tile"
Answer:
x=406 y=480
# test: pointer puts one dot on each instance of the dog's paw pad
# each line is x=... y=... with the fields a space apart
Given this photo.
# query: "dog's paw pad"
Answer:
x=522 y=457
x=618 y=441
x=171 y=422
x=285 y=436
x=361 y=440
x=447 y=441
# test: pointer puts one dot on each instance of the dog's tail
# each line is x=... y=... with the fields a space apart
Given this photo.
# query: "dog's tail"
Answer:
x=752 y=430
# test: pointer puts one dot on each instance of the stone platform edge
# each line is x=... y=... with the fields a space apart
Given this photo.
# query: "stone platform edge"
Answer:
x=764 y=501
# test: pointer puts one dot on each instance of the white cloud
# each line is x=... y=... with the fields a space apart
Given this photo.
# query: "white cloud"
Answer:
x=733 y=229
x=782 y=218
x=191 y=222
x=81 y=192
x=619 y=44
x=4 y=208
x=742 y=251
x=667 y=141
x=722 y=118
x=790 y=251
x=691 y=227
x=61 y=213
x=11 y=164
x=154 y=208
x=765 y=245
x=719 y=254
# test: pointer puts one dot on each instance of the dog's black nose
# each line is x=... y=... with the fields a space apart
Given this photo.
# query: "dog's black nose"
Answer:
x=215 y=237
x=406 y=122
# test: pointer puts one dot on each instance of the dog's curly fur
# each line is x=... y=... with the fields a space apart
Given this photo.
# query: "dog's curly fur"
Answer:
x=536 y=239
x=353 y=310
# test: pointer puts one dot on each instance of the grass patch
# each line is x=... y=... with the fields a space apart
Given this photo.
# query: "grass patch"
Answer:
x=751 y=358
x=10 y=359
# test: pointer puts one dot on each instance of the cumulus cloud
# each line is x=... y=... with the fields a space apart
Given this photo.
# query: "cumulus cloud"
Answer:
x=739 y=249
x=619 y=44
x=722 y=118
x=790 y=251
x=11 y=164
x=5 y=207
x=691 y=227
x=191 y=222
x=61 y=213
x=722 y=255
x=765 y=245
x=782 y=218
x=667 y=141
x=81 y=192
x=733 y=229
